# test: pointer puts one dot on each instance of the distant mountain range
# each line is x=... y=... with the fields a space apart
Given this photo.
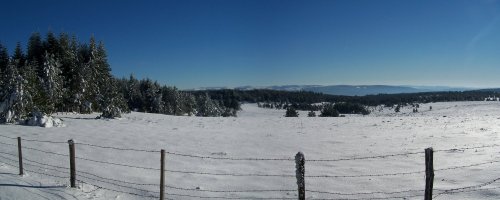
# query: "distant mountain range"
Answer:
x=352 y=90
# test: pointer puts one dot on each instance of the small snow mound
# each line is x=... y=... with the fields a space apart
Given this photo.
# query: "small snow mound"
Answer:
x=39 y=119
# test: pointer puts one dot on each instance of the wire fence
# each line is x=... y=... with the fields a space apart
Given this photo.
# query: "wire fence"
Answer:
x=149 y=190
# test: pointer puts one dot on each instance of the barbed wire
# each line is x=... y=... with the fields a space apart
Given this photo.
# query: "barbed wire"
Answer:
x=11 y=154
x=466 y=166
x=230 y=158
x=364 y=157
x=123 y=192
x=9 y=144
x=116 y=180
x=118 y=148
x=221 y=197
x=171 y=194
x=27 y=163
x=265 y=159
x=47 y=152
x=469 y=187
x=35 y=149
x=185 y=189
x=31 y=140
x=228 y=191
x=184 y=172
x=116 y=184
x=117 y=164
x=465 y=191
x=8 y=137
x=364 y=175
x=466 y=148
x=371 y=198
x=230 y=174
x=362 y=193
x=40 y=163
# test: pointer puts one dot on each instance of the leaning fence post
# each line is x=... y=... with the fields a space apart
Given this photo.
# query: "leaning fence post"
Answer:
x=429 y=173
x=72 y=166
x=20 y=153
x=300 y=174
x=162 y=175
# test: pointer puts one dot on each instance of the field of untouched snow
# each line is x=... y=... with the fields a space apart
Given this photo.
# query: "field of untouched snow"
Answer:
x=207 y=156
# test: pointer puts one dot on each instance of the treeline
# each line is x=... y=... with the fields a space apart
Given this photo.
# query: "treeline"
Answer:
x=61 y=74
x=149 y=96
x=303 y=100
x=57 y=73
x=303 y=97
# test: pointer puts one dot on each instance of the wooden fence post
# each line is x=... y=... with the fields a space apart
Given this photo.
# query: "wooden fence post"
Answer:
x=300 y=174
x=20 y=153
x=429 y=173
x=162 y=175
x=72 y=165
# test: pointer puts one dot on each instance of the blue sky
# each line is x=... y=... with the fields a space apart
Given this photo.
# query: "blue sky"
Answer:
x=231 y=43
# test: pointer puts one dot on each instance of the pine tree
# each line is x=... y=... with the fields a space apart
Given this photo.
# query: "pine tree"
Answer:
x=311 y=114
x=33 y=89
x=51 y=45
x=36 y=52
x=134 y=98
x=19 y=57
x=154 y=98
x=52 y=83
x=4 y=62
x=207 y=107
x=188 y=103
x=112 y=103
x=12 y=109
x=329 y=111
x=397 y=109
x=291 y=112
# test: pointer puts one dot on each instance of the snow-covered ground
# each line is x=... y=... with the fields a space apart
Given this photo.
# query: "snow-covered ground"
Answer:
x=261 y=133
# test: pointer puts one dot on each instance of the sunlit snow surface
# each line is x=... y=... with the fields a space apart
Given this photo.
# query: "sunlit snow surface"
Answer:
x=262 y=133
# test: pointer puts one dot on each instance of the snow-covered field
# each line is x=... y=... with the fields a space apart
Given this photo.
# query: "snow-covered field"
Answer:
x=262 y=133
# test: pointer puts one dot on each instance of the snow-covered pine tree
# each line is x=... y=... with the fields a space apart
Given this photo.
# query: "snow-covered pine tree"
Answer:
x=68 y=60
x=32 y=89
x=167 y=98
x=100 y=72
x=135 y=99
x=188 y=103
x=208 y=107
x=154 y=97
x=12 y=108
x=112 y=103
x=52 y=83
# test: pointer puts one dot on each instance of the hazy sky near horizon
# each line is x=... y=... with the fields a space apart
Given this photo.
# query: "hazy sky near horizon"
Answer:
x=209 y=43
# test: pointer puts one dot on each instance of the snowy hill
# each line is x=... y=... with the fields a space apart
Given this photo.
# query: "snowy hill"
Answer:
x=209 y=157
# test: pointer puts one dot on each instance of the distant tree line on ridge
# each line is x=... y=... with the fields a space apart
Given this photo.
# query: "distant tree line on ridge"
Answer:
x=312 y=101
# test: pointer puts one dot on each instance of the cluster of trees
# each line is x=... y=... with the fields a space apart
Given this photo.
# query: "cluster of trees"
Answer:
x=57 y=73
x=61 y=74
x=350 y=108
x=303 y=100
x=285 y=105
x=149 y=96
x=332 y=110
